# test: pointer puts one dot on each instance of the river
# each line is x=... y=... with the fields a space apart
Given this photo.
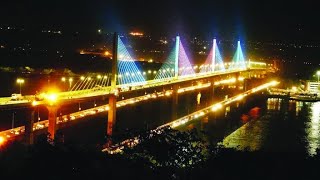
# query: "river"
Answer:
x=270 y=125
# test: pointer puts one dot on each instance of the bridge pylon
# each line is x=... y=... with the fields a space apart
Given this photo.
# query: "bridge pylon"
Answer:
x=113 y=99
x=213 y=60
x=114 y=62
x=111 y=114
x=28 y=136
x=176 y=59
x=175 y=102
x=52 y=117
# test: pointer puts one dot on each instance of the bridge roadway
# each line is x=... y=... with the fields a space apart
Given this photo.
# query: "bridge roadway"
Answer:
x=11 y=133
x=18 y=131
x=87 y=94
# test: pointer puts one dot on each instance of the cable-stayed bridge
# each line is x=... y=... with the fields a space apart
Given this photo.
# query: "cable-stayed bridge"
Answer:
x=175 y=75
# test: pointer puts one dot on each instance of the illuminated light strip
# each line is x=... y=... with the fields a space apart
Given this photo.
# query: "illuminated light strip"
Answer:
x=77 y=85
x=83 y=84
x=258 y=63
x=217 y=106
x=105 y=81
x=74 y=87
x=199 y=75
x=74 y=116
x=86 y=82
x=184 y=62
x=200 y=86
x=220 y=60
x=126 y=64
x=226 y=81
x=238 y=59
x=252 y=64
x=171 y=63
x=207 y=62
x=151 y=83
x=181 y=121
x=218 y=64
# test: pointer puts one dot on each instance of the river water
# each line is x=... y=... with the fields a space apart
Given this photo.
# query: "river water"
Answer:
x=285 y=126
x=270 y=125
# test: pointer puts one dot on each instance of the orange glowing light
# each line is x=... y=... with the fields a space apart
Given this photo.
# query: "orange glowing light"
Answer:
x=2 y=140
x=34 y=103
x=107 y=53
x=136 y=33
x=52 y=97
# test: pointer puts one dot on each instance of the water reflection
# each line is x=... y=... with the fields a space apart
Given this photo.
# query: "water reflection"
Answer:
x=251 y=135
x=299 y=105
x=265 y=129
x=312 y=129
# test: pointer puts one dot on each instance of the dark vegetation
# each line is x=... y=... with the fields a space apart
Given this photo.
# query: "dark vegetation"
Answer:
x=169 y=155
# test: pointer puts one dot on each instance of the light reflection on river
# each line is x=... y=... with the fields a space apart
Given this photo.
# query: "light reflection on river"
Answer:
x=281 y=126
x=312 y=129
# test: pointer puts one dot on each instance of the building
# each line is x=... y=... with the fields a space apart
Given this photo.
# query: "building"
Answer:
x=313 y=86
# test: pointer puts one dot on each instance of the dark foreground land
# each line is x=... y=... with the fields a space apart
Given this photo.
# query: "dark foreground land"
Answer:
x=170 y=155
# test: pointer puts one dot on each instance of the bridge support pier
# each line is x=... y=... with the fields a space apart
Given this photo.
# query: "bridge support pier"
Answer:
x=175 y=99
x=212 y=84
x=237 y=81
x=111 y=114
x=245 y=84
x=52 y=117
x=28 y=138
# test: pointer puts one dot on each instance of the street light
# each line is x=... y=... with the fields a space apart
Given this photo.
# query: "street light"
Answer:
x=318 y=73
x=20 y=81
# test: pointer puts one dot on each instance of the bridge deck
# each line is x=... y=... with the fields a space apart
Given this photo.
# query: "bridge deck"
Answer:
x=87 y=93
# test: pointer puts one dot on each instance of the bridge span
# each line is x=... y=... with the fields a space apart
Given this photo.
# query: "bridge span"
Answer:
x=176 y=76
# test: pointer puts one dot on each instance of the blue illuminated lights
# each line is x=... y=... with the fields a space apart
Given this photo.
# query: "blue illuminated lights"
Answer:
x=128 y=72
x=238 y=61
x=167 y=70
x=219 y=65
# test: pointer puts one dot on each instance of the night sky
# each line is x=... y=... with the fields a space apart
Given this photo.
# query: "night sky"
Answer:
x=257 y=20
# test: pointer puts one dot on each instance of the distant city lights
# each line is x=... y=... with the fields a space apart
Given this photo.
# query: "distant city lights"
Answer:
x=136 y=34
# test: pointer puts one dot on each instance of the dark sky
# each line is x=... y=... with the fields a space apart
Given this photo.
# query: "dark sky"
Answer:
x=257 y=20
